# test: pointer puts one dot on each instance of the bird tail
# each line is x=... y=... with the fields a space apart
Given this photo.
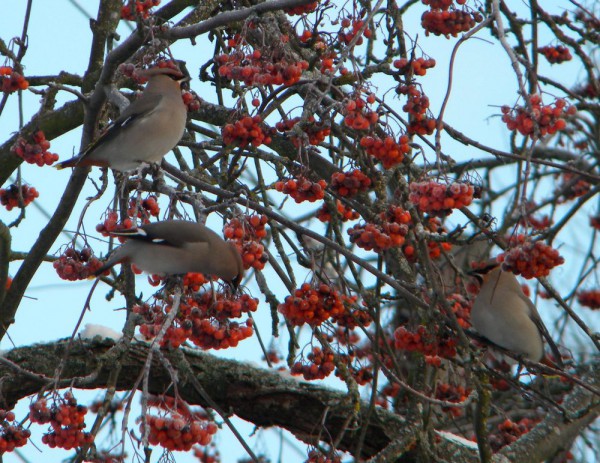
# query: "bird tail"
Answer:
x=68 y=163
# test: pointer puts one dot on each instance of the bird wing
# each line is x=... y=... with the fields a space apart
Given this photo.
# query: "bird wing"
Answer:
x=537 y=320
x=176 y=233
x=142 y=107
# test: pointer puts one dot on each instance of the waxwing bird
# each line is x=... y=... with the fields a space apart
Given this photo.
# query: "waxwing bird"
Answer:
x=507 y=317
x=176 y=247
x=145 y=131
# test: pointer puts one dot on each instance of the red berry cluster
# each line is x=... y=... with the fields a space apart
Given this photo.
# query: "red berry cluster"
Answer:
x=8 y=283
x=302 y=9
x=438 y=198
x=449 y=22
x=344 y=213
x=320 y=365
x=351 y=183
x=388 y=151
x=432 y=345
x=417 y=66
x=441 y=4
x=349 y=30
x=302 y=189
x=11 y=80
x=452 y=393
x=535 y=222
x=76 y=265
x=351 y=318
x=257 y=69
x=191 y=100
x=529 y=259
x=143 y=209
x=137 y=8
x=35 y=152
x=595 y=222
x=312 y=305
x=67 y=419
x=111 y=224
x=177 y=432
x=434 y=248
x=358 y=115
x=509 y=432
x=328 y=59
x=203 y=319
x=10 y=196
x=391 y=232
x=137 y=73
x=590 y=298
x=315 y=131
x=416 y=107
x=246 y=131
x=556 y=55
x=207 y=455
x=547 y=117
x=571 y=186
x=461 y=308
x=246 y=232
x=12 y=435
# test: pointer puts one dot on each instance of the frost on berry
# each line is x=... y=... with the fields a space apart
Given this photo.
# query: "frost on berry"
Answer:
x=11 y=196
x=529 y=259
x=35 y=150
x=246 y=232
x=439 y=198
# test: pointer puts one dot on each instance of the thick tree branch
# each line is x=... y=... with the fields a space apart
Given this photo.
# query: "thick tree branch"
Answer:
x=268 y=399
